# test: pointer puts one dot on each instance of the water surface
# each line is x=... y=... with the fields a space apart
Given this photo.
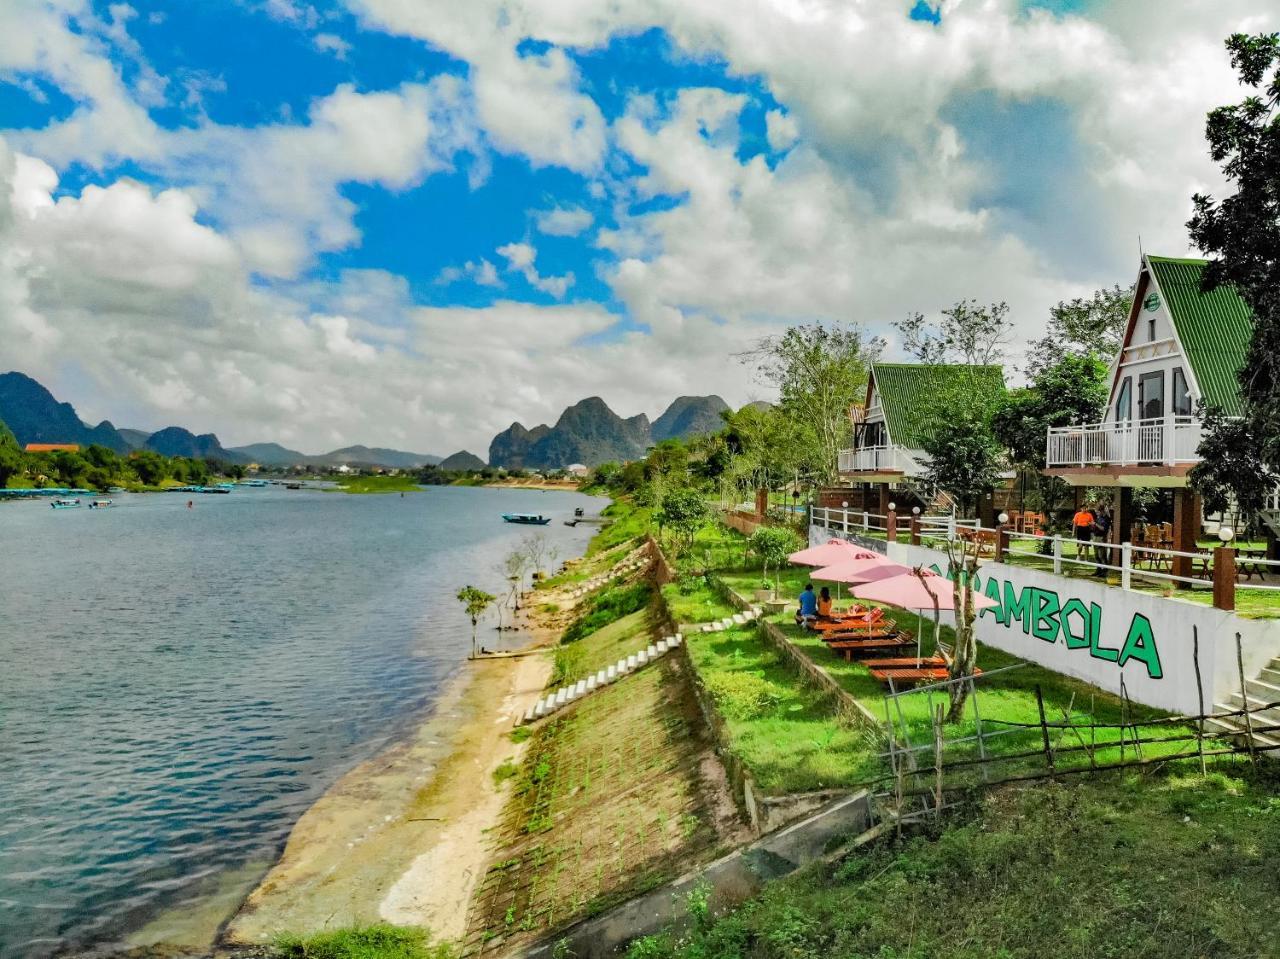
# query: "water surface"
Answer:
x=178 y=685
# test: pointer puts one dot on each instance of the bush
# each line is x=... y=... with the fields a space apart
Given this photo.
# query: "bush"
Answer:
x=744 y=695
x=380 y=941
x=610 y=605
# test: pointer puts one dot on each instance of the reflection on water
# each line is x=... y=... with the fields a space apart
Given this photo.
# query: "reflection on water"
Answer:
x=177 y=686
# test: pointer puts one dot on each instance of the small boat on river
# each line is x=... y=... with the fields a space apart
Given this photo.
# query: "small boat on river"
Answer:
x=101 y=504
x=526 y=519
x=65 y=504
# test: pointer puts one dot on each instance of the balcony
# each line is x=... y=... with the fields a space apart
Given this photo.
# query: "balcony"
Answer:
x=879 y=459
x=1165 y=441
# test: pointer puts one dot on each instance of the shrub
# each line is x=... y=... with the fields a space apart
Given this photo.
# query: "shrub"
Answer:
x=609 y=606
x=743 y=695
x=381 y=941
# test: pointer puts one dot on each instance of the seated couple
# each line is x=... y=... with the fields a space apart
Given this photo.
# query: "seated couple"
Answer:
x=813 y=607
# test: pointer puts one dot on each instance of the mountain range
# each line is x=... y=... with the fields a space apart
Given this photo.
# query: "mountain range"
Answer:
x=590 y=433
x=587 y=432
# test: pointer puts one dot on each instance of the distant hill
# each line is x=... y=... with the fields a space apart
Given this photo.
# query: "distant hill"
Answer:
x=374 y=456
x=510 y=448
x=590 y=433
x=136 y=439
x=176 y=441
x=34 y=416
x=270 y=454
x=760 y=405
x=462 y=461
x=690 y=416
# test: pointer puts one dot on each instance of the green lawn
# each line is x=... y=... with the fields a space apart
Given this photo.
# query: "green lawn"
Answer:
x=1113 y=868
x=604 y=647
x=376 y=484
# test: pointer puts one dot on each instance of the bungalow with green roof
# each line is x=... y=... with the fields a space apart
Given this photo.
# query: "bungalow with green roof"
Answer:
x=1181 y=346
x=899 y=417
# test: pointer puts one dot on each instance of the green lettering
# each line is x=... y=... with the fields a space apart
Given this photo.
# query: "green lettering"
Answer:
x=1096 y=649
x=1045 y=623
x=1075 y=639
x=1017 y=605
x=1140 y=644
x=992 y=592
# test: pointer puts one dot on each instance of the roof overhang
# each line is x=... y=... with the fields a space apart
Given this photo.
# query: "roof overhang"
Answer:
x=1138 y=477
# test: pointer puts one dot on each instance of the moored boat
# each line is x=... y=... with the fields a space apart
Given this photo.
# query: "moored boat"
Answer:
x=526 y=519
x=101 y=503
x=65 y=503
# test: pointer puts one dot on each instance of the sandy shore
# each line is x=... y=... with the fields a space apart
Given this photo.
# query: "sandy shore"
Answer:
x=401 y=838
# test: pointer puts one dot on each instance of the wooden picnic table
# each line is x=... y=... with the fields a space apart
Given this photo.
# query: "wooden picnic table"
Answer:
x=849 y=647
x=878 y=631
x=926 y=674
x=904 y=662
x=1248 y=565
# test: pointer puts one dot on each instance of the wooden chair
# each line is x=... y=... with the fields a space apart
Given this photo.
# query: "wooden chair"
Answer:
x=904 y=662
x=911 y=677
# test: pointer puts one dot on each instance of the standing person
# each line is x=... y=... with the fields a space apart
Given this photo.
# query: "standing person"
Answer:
x=1082 y=527
x=1102 y=550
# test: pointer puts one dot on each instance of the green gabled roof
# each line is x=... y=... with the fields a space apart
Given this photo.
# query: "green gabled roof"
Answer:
x=908 y=392
x=1214 y=328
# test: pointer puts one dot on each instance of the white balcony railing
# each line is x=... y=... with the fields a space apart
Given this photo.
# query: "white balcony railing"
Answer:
x=879 y=459
x=1164 y=441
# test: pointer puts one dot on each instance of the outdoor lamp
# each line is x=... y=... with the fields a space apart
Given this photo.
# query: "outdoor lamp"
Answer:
x=1226 y=534
x=915 y=510
x=892 y=507
x=845 y=504
x=1003 y=518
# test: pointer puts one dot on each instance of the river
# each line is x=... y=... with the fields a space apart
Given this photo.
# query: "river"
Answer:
x=178 y=685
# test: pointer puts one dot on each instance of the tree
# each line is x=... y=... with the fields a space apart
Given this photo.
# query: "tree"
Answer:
x=820 y=372
x=514 y=567
x=773 y=544
x=684 y=512
x=535 y=550
x=11 y=458
x=151 y=467
x=1082 y=327
x=962 y=567
x=1241 y=235
x=965 y=459
x=966 y=333
x=475 y=602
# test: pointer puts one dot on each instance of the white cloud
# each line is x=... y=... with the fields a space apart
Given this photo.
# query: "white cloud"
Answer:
x=520 y=258
x=563 y=221
x=477 y=271
x=331 y=43
x=781 y=130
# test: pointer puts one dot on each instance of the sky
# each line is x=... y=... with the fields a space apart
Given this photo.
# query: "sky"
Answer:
x=409 y=223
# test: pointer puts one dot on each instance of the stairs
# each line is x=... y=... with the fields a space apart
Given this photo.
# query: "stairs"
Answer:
x=1262 y=691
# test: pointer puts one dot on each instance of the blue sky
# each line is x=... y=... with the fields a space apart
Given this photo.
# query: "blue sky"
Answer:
x=259 y=210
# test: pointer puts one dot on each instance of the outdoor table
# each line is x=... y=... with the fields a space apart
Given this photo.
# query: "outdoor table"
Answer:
x=1247 y=563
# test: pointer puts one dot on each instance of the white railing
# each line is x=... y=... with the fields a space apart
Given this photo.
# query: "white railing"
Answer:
x=1165 y=441
x=849 y=520
x=878 y=459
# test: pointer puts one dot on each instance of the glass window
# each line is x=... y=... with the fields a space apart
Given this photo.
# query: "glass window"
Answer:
x=1151 y=396
x=1151 y=330
x=1181 y=393
x=1124 y=401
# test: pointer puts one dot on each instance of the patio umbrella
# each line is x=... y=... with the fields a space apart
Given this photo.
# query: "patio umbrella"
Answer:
x=912 y=591
x=832 y=551
x=860 y=571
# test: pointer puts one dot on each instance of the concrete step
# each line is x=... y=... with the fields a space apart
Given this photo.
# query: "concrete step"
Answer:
x=1261 y=717
x=1271 y=674
x=1267 y=742
x=1262 y=690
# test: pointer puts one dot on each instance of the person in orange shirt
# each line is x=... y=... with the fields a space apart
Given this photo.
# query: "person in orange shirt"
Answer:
x=1082 y=526
x=824 y=604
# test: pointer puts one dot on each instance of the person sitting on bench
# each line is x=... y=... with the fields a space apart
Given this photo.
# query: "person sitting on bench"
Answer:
x=807 y=613
x=825 y=608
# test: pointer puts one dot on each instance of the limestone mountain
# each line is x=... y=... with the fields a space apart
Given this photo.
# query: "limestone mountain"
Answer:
x=374 y=456
x=690 y=416
x=270 y=454
x=462 y=461
x=589 y=432
x=510 y=447
x=176 y=441
x=34 y=416
x=136 y=439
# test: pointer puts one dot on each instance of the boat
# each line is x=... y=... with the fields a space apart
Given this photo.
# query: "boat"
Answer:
x=526 y=519
x=254 y=483
x=293 y=486
x=100 y=503
x=213 y=489
x=578 y=511
x=65 y=503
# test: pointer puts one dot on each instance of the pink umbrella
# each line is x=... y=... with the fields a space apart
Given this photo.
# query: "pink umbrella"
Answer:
x=926 y=590
x=860 y=570
x=831 y=552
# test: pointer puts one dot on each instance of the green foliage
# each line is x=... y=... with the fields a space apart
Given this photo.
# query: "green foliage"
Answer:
x=404 y=483
x=773 y=544
x=1082 y=327
x=683 y=512
x=1242 y=235
x=608 y=606
x=1231 y=465
x=965 y=459
x=379 y=941
x=819 y=371
x=505 y=770
x=965 y=333
x=745 y=695
x=1072 y=390
x=11 y=461
x=474 y=602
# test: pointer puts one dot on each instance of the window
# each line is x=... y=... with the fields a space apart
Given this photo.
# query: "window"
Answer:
x=873 y=434
x=1151 y=396
x=1181 y=393
x=1151 y=330
x=1124 y=401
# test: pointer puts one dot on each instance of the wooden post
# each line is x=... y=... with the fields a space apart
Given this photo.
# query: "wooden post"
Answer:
x=891 y=526
x=1002 y=542
x=1224 y=578
x=915 y=530
x=883 y=509
x=1195 y=659
x=762 y=503
x=1044 y=732
x=1186 y=530
x=1244 y=700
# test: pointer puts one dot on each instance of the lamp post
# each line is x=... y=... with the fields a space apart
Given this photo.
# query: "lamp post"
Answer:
x=1002 y=537
x=891 y=524
x=1224 y=570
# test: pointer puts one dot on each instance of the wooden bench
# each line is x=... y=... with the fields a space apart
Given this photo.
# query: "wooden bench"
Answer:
x=848 y=647
x=910 y=676
x=905 y=662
